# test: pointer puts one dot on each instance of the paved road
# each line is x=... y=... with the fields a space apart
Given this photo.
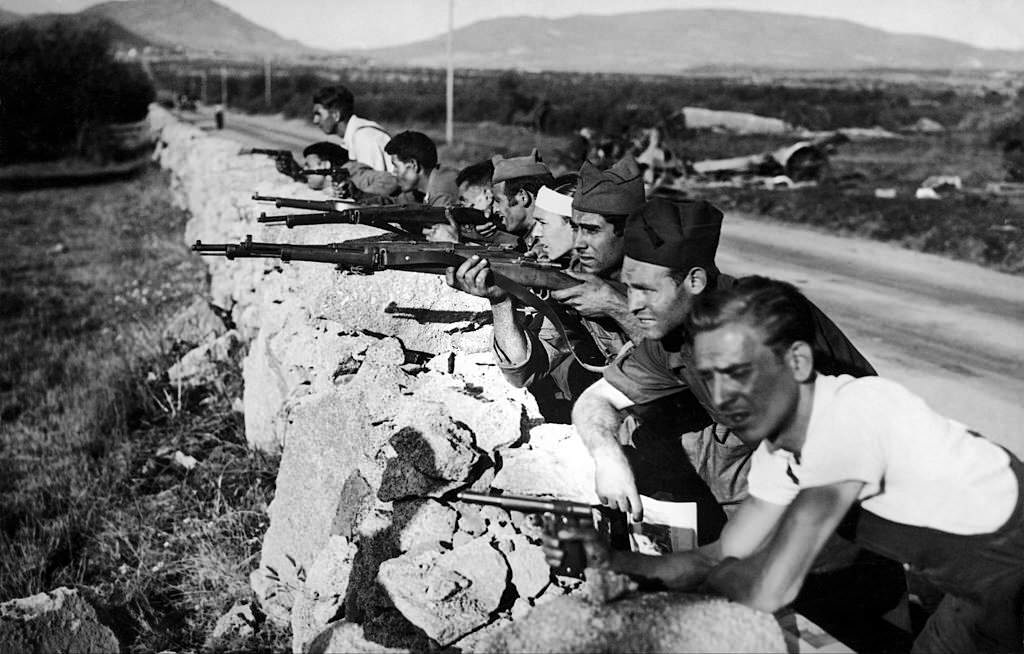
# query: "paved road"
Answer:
x=951 y=331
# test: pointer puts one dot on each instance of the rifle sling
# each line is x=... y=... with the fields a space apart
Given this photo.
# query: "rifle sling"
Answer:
x=413 y=260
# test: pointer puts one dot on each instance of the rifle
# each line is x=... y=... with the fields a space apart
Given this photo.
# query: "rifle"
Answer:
x=556 y=514
x=267 y=151
x=512 y=272
x=334 y=212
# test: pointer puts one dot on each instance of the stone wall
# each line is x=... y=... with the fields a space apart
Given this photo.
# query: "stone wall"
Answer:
x=381 y=395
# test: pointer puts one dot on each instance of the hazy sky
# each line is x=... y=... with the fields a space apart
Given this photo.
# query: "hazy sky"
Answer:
x=341 y=24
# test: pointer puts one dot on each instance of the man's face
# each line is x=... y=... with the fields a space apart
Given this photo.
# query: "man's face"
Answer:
x=314 y=162
x=479 y=197
x=659 y=302
x=597 y=246
x=324 y=118
x=407 y=172
x=754 y=391
x=516 y=211
x=554 y=231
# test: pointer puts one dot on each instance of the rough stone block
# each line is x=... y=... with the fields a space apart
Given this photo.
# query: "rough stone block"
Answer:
x=530 y=572
x=447 y=595
x=57 y=621
x=194 y=325
x=653 y=622
x=200 y=365
x=555 y=463
x=321 y=599
x=423 y=522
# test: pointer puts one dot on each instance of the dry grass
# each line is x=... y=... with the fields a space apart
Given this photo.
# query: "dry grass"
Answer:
x=89 y=493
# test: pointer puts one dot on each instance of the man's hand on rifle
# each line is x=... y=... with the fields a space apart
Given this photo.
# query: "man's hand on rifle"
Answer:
x=598 y=553
x=443 y=232
x=474 y=277
x=486 y=230
x=593 y=298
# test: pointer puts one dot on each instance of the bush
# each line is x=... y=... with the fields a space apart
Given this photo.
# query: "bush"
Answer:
x=58 y=81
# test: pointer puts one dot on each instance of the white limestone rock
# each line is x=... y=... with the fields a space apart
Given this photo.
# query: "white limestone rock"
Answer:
x=57 y=621
x=447 y=595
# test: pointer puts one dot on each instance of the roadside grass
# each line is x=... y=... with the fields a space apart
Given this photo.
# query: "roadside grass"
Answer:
x=90 y=494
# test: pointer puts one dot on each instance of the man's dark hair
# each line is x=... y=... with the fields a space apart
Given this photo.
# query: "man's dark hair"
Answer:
x=413 y=145
x=776 y=308
x=336 y=98
x=530 y=183
x=478 y=174
x=566 y=184
x=328 y=151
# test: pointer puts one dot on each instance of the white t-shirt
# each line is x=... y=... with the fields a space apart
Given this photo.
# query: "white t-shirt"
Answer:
x=365 y=141
x=918 y=467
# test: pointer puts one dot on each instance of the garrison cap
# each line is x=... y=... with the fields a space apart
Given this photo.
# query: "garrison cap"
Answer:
x=616 y=191
x=680 y=234
x=513 y=167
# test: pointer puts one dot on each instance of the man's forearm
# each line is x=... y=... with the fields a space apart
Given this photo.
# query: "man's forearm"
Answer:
x=597 y=422
x=675 y=571
x=509 y=336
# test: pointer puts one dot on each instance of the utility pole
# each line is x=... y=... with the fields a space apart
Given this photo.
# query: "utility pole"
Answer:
x=266 y=85
x=224 y=85
x=449 y=124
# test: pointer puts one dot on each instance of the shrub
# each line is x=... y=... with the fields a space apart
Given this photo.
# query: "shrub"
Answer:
x=59 y=80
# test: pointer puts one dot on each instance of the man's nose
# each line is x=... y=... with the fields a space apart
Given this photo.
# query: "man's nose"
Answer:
x=720 y=393
x=634 y=302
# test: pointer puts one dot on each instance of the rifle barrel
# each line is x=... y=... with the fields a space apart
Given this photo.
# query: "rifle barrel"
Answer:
x=529 y=504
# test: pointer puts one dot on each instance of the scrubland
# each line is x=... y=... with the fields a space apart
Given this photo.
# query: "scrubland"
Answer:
x=90 y=494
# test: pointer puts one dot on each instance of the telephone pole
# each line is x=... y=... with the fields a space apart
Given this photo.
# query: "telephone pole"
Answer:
x=266 y=85
x=224 y=85
x=449 y=124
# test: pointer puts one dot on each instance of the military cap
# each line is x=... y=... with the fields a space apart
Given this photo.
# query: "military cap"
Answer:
x=553 y=201
x=680 y=234
x=616 y=191
x=514 y=167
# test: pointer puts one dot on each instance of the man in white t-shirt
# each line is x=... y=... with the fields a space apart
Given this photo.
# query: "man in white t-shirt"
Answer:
x=365 y=140
x=925 y=489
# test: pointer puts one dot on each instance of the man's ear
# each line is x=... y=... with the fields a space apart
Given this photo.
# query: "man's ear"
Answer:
x=524 y=198
x=696 y=280
x=800 y=359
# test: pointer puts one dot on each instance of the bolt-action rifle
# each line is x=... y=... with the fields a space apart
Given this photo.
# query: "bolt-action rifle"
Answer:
x=511 y=271
x=556 y=514
x=335 y=212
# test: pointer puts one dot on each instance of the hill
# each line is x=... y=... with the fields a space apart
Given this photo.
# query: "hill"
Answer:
x=671 y=41
x=9 y=17
x=196 y=25
x=121 y=37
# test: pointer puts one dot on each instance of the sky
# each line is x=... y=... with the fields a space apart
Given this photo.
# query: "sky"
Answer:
x=346 y=24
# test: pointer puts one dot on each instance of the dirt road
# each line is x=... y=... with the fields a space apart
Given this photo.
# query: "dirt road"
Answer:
x=951 y=331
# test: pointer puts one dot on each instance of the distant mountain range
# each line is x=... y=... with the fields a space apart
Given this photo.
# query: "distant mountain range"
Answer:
x=672 y=41
x=192 y=25
x=668 y=41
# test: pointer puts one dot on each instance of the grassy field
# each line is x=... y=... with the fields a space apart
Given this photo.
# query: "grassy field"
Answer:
x=89 y=424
